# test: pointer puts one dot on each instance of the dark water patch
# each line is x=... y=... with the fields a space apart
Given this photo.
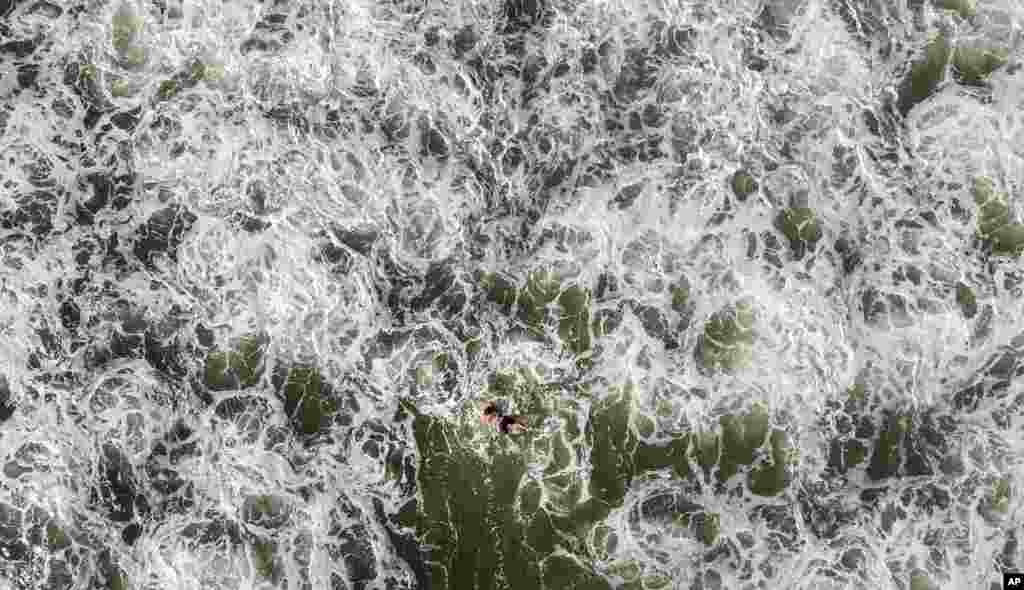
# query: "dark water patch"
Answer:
x=846 y=453
x=636 y=78
x=315 y=407
x=27 y=75
x=101 y=190
x=6 y=7
x=656 y=324
x=774 y=21
x=925 y=76
x=214 y=530
x=743 y=184
x=535 y=81
x=614 y=445
x=441 y=288
x=385 y=343
x=21 y=48
x=425 y=63
x=12 y=547
x=433 y=142
x=850 y=257
x=127 y=120
x=292 y=116
x=685 y=136
x=1009 y=559
x=162 y=233
x=261 y=43
x=801 y=227
x=362 y=240
x=352 y=544
x=824 y=510
x=927 y=498
x=485 y=75
x=355 y=550
x=879 y=307
x=904 y=446
x=338 y=582
x=239 y=367
x=337 y=257
x=673 y=40
x=563 y=571
x=552 y=176
x=992 y=382
x=249 y=223
x=395 y=122
x=533 y=305
x=52 y=348
x=641 y=149
x=273 y=21
x=452 y=295
x=179 y=444
x=119 y=493
x=753 y=56
x=33 y=212
x=607 y=288
x=464 y=41
x=883 y=122
x=7 y=402
x=131 y=533
x=867 y=21
x=83 y=78
x=433 y=368
x=165 y=128
x=191 y=74
x=664 y=508
x=60 y=576
x=395 y=285
x=107 y=573
x=266 y=511
x=782 y=524
x=683 y=302
x=166 y=352
x=231 y=408
x=406 y=546
x=512 y=157
x=726 y=342
x=525 y=15
x=252 y=218
x=625 y=198
x=70 y=315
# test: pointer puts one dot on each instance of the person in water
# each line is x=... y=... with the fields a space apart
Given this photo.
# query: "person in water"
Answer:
x=505 y=424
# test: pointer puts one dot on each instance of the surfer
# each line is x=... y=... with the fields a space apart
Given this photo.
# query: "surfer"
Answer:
x=505 y=424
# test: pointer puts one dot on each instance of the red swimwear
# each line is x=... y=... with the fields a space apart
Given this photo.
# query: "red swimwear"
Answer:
x=505 y=423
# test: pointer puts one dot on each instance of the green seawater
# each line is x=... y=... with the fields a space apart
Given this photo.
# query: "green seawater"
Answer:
x=749 y=270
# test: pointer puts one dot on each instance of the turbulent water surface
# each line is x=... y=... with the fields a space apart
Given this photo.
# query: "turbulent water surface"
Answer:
x=749 y=268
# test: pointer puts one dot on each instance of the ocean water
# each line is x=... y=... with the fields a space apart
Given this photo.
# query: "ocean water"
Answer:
x=750 y=269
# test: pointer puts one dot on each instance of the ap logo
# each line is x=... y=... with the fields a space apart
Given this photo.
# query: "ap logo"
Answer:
x=1013 y=581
